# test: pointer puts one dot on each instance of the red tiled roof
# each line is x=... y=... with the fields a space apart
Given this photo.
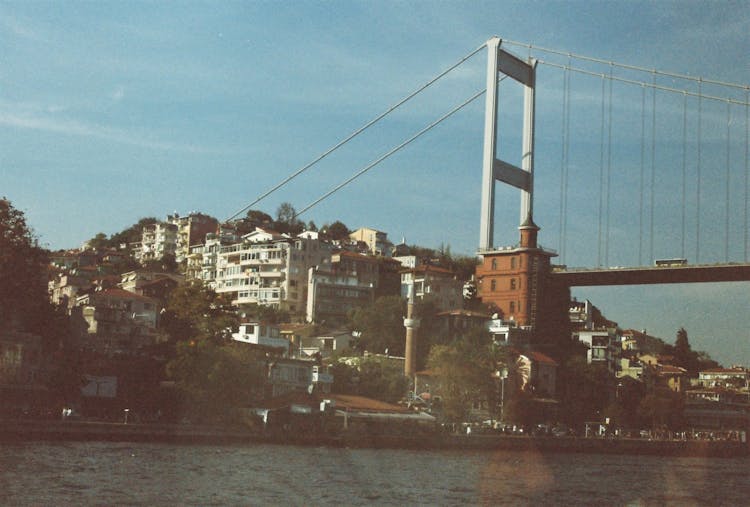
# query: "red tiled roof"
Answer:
x=362 y=404
x=540 y=358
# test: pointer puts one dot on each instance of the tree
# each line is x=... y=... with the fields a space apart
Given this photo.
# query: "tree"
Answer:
x=286 y=219
x=24 y=303
x=380 y=326
x=586 y=390
x=195 y=312
x=99 y=241
x=216 y=379
x=466 y=372
x=337 y=230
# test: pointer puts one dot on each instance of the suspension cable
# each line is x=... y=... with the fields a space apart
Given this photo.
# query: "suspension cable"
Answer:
x=726 y=223
x=356 y=133
x=643 y=170
x=684 y=169
x=634 y=82
x=747 y=168
x=653 y=168
x=601 y=179
x=563 y=164
x=626 y=66
x=609 y=171
x=698 y=180
x=394 y=150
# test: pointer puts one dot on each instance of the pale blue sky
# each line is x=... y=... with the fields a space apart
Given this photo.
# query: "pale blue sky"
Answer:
x=111 y=111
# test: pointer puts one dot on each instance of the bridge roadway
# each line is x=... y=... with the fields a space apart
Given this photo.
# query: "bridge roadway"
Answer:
x=581 y=277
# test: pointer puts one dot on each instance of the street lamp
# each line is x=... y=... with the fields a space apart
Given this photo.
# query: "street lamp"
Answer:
x=502 y=374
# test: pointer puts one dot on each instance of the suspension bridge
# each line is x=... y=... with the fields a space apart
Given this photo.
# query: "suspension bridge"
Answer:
x=638 y=149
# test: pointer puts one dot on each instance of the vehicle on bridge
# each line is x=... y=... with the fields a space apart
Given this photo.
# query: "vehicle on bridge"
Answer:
x=670 y=262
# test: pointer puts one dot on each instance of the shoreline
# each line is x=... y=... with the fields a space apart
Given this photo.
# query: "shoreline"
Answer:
x=22 y=431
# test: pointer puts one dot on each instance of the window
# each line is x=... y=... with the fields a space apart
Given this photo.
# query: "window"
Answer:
x=512 y=307
x=493 y=285
x=512 y=263
x=512 y=284
x=494 y=264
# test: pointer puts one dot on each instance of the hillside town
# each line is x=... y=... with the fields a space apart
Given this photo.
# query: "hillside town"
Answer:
x=290 y=328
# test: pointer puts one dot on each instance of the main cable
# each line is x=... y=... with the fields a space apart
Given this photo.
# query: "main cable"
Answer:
x=394 y=150
x=356 y=132
x=626 y=66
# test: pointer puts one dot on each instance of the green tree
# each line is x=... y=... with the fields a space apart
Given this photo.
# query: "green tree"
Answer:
x=380 y=326
x=216 y=379
x=468 y=373
x=585 y=389
x=336 y=231
x=195 y=312
x=662 y=409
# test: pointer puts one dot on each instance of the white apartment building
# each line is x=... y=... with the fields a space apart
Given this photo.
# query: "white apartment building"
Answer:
x=258 y=333
x=268 y=268
x=157 y=240
x=602 y=346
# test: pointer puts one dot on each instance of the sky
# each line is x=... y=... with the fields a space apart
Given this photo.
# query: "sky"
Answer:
x=113 y=111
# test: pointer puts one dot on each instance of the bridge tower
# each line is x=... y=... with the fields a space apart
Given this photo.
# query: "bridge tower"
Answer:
x=514 y=279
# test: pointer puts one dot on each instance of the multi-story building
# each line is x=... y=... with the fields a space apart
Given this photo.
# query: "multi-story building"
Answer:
x=270 y=269
x=514 y=279
x=203 y=258
x=116 y=321
x=349 y=281
x=191 y=230
x=440 y=285
x=376 y=241
x=602 y=346
x=157 y=240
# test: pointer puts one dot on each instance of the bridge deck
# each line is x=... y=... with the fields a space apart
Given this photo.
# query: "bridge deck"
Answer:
x=653 y=275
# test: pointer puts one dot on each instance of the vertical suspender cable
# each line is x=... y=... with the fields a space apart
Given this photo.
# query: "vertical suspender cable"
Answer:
x=601 y=180
x=653 y=165
x=747 y=168
x=563 y=164
x=684 y=165
x=698 y=176
x=643 y=158
x=609 y=169
x=726 y=218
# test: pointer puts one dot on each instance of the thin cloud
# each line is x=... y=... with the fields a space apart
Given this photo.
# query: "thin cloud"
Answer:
x=77 y=128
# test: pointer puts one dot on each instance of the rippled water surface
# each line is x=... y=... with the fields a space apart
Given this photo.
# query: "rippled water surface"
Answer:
x=100 y=473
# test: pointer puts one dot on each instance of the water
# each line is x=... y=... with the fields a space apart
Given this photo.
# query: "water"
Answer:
x=101 y=473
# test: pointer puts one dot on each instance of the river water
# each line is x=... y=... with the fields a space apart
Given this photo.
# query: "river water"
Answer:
x=105 y=473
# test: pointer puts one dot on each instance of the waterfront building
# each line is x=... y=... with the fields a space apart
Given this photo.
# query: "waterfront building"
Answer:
x=514 y=278
x=376 y=241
